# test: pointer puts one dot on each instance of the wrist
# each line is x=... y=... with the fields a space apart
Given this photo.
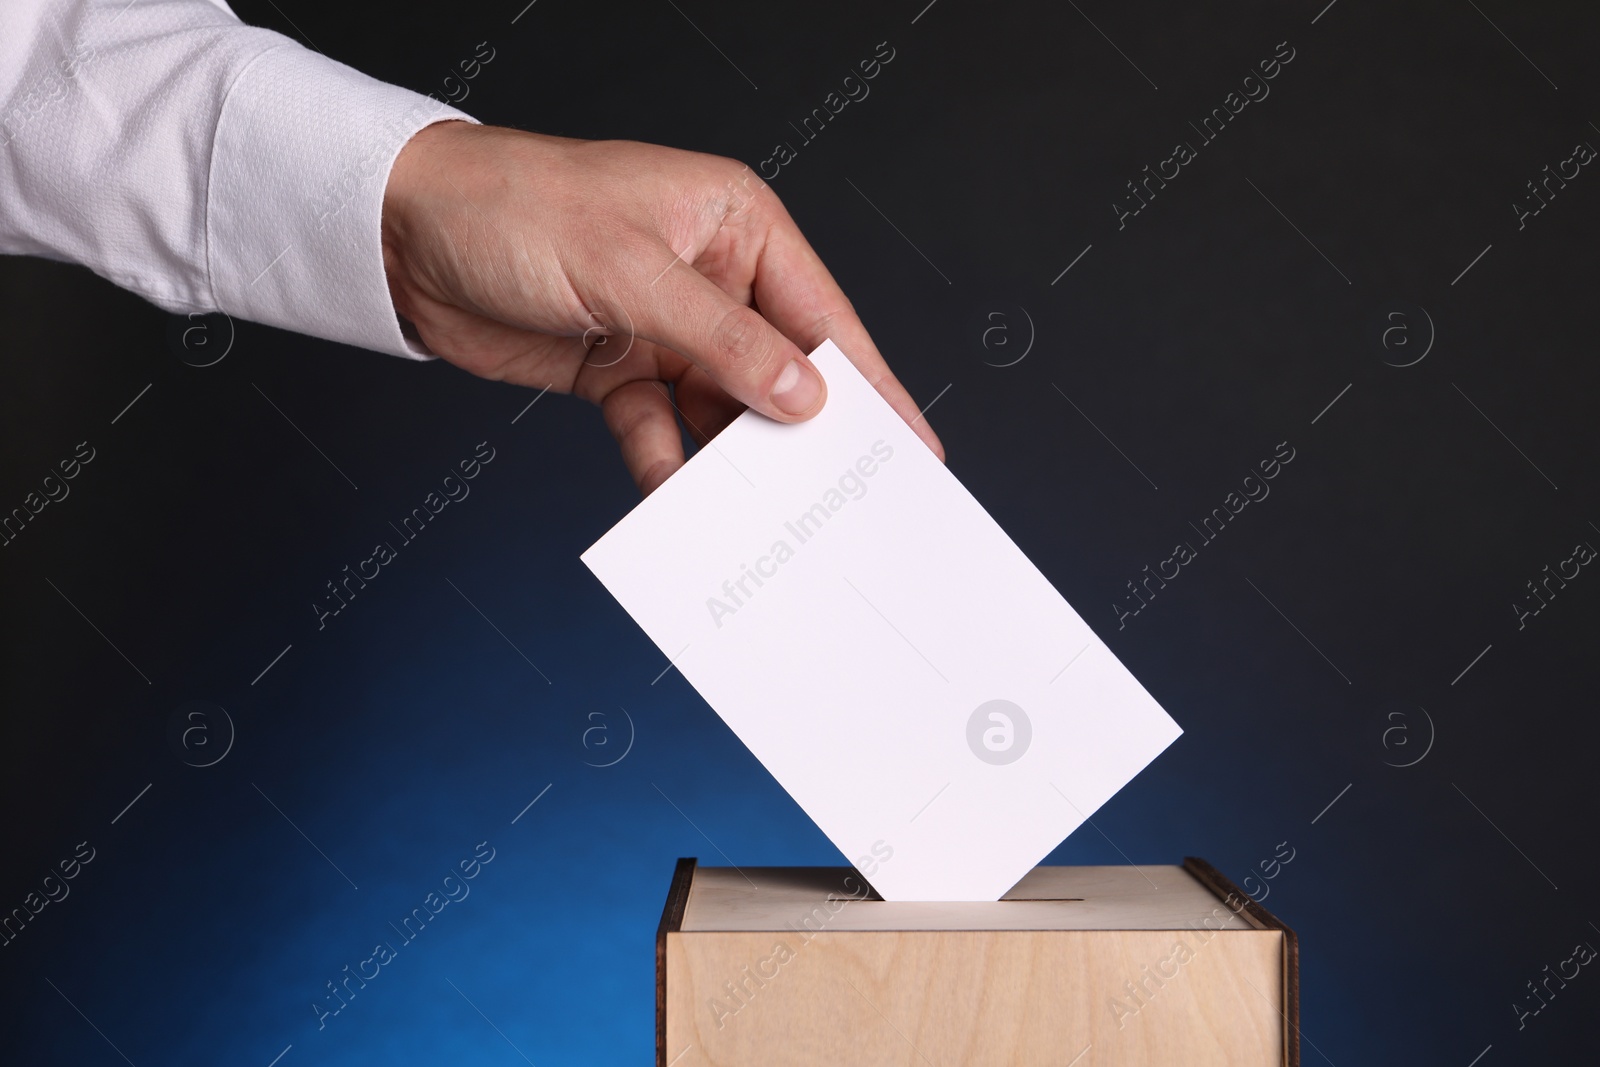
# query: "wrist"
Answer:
x=406 y=194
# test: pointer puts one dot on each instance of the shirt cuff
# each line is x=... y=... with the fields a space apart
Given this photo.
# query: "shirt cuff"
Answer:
x=294 y=211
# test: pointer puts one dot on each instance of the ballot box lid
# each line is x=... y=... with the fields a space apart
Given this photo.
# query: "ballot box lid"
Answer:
x=1156 y=897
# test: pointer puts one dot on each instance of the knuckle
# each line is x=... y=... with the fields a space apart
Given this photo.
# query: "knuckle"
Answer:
x=628 y=409
x=741 y=343
x=738 y=189
x=654 y=473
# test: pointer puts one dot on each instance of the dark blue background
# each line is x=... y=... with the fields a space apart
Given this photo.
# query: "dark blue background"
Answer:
x=1197 y=338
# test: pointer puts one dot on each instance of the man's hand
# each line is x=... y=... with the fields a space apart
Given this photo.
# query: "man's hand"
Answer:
x=648 y=280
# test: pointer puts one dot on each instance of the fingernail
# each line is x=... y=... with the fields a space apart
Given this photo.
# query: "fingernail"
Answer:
x=797 y=388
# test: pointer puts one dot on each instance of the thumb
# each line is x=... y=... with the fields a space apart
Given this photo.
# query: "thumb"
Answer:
x=736 y=347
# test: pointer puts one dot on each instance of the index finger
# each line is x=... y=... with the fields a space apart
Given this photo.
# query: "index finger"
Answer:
x=796 y=294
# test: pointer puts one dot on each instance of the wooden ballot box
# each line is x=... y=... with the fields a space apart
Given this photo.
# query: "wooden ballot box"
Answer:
x=1075 y=967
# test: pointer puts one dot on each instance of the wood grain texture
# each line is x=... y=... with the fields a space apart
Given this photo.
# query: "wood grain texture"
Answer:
x=1108 y=966
x=976 y=998
x=671 y=921
x=1233 y=896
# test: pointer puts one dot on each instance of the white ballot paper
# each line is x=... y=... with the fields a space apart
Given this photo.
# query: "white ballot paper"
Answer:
x=882 y=646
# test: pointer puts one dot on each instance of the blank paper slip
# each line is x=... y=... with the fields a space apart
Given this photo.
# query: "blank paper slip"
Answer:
x=881 y=645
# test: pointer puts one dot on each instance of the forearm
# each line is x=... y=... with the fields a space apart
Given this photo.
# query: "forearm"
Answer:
x=201 y=163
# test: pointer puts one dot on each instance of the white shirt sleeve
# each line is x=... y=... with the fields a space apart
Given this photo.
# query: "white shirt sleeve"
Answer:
x=204 y=164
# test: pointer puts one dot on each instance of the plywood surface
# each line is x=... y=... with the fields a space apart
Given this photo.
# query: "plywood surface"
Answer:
x=975 y=998
x=1047 y=898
